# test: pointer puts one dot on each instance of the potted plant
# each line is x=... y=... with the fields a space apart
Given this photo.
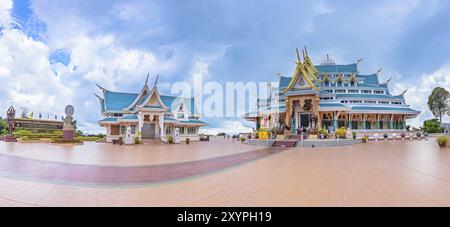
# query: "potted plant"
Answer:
x=385 y=135
x=364 y=139
x=170 y=139
x=323 y=133
x=354 y=135
x=313 y=133
x=120 y=140
x=136 y=140
x=263 y=134
x=442 y=141
x=341 y=132
x=242 y=139
x=418 y=135
x=188 y=140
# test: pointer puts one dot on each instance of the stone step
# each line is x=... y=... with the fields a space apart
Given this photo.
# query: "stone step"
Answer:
x=285 y=143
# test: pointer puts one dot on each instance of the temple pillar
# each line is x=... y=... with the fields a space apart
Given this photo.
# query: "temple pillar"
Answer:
x=378 y=121
x=140 y=124
x=392 y=122
x=363 y=121
x=404 y=121
x=349 y=121
x=161 y=125
x=319 y=120
x=335 y=121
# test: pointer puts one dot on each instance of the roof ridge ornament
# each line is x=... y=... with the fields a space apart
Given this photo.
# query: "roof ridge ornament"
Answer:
x=359 y=61
x=389 y=80
x=146 y=80
x=403 y=93
x=156 y=81
x=98 y=96
x=379 y=71
x=101 y=88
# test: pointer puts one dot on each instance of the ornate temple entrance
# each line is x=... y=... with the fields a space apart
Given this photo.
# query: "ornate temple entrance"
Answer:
x=304 y=120
x=148 y=131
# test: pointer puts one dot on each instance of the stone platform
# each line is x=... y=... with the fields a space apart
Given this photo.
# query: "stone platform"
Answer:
x=10 y=139
x=303 y=143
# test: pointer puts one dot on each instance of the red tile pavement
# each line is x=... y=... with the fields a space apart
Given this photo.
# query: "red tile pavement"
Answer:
x=31 y=169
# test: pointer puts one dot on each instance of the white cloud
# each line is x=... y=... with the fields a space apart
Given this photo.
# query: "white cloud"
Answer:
x=27 y=76
x=420 y=89
x=30 y=80
x=5 y=15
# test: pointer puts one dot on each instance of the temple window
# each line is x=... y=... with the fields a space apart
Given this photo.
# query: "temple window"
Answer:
x=353 y=91
x=117 y=115
x=396 y=103
x=366 y=91
x=340 y=91
x=355 y=101
x=383 y=102
x=339 y=84
x=192 y=130
x=122 y=130
x=133 y=129
x=168 y=130
x=370 y=102
x=379 y=92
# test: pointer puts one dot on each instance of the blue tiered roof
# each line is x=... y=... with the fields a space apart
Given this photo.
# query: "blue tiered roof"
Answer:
x=125 y=104
x=353 y=102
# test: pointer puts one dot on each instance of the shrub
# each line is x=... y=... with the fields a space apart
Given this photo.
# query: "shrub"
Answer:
x=136 y=140
x=442 y=140
x=120 y=140
x=242 y=139
x=364 y=139
x=432 y=126
x=323 y=131
x=188 y=140
x=170 y=139
x=341 y=132
x=354 y=135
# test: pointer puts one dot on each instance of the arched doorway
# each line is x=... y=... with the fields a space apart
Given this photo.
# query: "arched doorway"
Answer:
x=149 y=127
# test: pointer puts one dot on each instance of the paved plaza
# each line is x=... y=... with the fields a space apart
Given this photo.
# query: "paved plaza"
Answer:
x=401 y=173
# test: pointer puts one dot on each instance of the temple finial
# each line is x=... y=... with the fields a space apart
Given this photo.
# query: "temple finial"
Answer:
x=389 y=80
x=379 y=71
x=101 y=88
x=298 y=55
x=156 y=81
x=98 y=96
x=404 y=92
x=359 y=61
x=146 y=80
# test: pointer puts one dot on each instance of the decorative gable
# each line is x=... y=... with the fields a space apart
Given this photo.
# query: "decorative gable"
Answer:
x=153 y=100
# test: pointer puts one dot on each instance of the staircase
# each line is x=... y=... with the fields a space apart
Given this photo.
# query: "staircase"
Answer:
x=295 y=137
x=285 y=143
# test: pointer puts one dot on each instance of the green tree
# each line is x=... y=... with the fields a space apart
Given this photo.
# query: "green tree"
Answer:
x=432 y=126
x=3 y=126
x=78 y=133
x=438 y=102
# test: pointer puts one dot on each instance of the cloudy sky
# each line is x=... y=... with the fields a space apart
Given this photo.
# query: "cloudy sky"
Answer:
x=53 y=52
